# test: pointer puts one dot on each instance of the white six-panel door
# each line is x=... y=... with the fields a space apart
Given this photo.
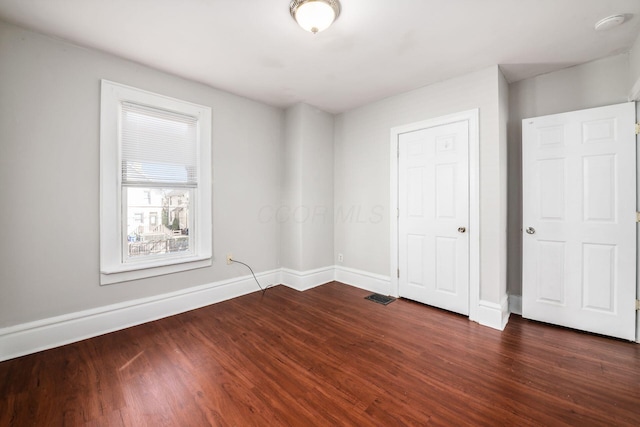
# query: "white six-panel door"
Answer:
x=579 y=220
x=433 y=193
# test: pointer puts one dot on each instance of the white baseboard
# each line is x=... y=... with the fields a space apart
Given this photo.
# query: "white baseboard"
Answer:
x=27 y=338
x=494 y=315
x=53 y=332
x=515 y=304
x=304 y=280
x=364 y=280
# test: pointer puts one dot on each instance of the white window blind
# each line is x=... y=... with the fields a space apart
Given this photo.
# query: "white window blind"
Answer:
x=159 y=147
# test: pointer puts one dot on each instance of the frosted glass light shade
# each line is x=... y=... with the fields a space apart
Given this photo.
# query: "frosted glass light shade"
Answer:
x=314 y=15
x=610 y=22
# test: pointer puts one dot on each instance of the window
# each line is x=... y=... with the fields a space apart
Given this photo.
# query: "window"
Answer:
x=153 y=219
x=155 y=157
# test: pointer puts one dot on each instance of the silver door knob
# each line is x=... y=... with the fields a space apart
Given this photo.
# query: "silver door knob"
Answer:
x=461 y=229
x=530 y=230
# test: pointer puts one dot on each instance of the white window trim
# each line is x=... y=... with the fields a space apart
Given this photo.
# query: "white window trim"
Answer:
x=112 y=268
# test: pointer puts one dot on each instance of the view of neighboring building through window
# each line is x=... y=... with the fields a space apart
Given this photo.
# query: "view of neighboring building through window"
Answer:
x=147 y=236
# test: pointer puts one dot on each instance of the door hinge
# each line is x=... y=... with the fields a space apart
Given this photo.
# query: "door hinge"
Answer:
x=637 y=128
x=398 y=273
x=637 y=216
x=398 y=213
x=638 y=305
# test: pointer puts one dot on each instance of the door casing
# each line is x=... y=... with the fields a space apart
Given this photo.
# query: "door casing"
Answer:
x=472 y=117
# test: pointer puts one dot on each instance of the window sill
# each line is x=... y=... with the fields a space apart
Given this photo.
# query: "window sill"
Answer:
x=127 y=272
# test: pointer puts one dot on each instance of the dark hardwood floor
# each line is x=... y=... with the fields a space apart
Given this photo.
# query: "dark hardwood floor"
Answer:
x=327 y=357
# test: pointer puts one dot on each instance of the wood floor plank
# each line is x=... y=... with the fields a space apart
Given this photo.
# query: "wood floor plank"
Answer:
x=326 y=357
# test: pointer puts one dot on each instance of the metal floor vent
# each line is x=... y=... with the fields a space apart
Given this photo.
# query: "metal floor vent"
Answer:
x=380 y=299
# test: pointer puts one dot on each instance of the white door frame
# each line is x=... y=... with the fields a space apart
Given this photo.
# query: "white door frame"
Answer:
x=472 y=117
x=634 y=96
x=637 y=101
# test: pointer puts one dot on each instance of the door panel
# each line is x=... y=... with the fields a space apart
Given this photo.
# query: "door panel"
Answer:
x=446 y=269
x=433 y=204
x=599 y=188
x=552 y=186
x=551 y=272
x=446 y=191
x=579 y=204
x=598 y=286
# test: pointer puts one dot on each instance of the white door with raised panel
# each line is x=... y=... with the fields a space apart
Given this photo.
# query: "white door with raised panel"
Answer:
x=433 y=201
x=579 y=220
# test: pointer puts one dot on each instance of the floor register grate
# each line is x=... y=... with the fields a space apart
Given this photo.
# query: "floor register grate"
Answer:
x=380 y=299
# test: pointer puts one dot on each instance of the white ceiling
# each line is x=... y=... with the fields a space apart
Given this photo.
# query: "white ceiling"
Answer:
x=375 y=49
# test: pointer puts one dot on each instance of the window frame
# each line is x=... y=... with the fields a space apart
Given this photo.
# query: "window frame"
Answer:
x=113 y=267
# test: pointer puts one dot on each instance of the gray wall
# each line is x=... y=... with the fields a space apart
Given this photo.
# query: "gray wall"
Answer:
x=306 y=214
x=594 y=84
x=291 y=244
x=634 y=63
x=317 y=191
x=503 y=117
x=362 y=173
x=49 y=175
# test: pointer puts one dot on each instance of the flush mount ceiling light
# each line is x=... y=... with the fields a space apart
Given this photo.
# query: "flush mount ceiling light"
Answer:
x=610 y=22
x=314 y=15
